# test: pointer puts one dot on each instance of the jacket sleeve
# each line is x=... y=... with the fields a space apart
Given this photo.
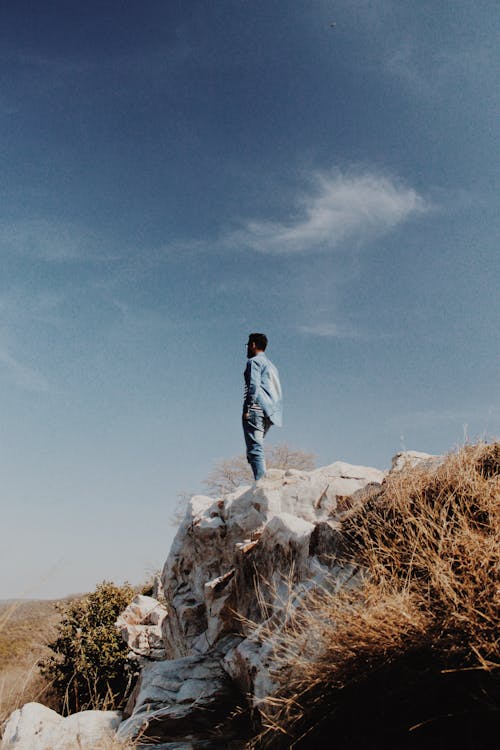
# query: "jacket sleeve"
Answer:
x=252 y=383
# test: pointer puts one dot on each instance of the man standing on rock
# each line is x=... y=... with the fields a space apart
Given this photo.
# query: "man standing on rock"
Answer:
x=262 y=405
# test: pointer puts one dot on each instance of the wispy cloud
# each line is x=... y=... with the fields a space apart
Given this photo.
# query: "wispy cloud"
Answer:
x=400 y=40
x=339 y=208
x=328 y=330
x=51 y=241
x=27 y=306
x=21 y=374
x=438 y=70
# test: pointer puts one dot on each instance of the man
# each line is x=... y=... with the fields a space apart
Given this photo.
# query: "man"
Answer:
x=262 y=405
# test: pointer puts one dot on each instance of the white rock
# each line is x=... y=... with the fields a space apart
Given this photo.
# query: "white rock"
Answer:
x=219 y=536
x=25 y=727
x=36 y=727
x=84 y=730
x=409 y=459
x=244 y=557
x=140 y=626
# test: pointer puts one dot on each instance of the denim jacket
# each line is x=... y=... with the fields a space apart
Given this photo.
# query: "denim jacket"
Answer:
x=263 y=388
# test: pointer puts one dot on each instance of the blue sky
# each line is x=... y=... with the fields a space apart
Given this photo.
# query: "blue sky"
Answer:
x=177 y=174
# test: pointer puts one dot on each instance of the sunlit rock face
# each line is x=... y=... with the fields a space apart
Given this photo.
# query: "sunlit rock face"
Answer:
x=236 y=560
x=226 y=549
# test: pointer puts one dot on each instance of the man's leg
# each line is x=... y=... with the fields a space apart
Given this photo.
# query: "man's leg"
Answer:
x=254 y=430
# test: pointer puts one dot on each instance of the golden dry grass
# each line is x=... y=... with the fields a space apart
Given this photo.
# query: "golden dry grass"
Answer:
x=413 y=651
x=25 y=629
x=25 y=626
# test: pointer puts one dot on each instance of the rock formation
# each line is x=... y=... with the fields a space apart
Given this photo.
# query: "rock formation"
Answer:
x=235 y=562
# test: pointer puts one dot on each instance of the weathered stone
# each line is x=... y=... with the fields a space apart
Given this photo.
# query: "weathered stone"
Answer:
x=178 y=698
x=36 y=727
x=140 y=626
x=223 y=548
x=409 y=459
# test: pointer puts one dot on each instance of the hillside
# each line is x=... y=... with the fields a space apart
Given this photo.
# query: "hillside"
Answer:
x=26 y=626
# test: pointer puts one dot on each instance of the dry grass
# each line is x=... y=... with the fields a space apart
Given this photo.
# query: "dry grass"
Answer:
x=411 y=657
x=25 y=629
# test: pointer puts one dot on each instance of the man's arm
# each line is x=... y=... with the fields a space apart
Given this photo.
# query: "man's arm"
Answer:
x=252 y=381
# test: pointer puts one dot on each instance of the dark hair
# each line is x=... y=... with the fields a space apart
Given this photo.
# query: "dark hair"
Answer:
x=260 y=340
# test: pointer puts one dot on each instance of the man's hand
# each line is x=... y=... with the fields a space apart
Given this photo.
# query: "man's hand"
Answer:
x=246 y=416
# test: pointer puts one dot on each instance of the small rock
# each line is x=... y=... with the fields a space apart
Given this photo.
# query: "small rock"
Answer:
x=140 y=626
x=409 y=459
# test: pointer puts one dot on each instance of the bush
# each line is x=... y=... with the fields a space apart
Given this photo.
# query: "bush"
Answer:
x=89 y=668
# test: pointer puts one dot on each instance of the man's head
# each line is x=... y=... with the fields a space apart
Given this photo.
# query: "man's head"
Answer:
x=257 y=342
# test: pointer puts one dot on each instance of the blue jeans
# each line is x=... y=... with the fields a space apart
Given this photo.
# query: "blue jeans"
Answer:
x=255 y=429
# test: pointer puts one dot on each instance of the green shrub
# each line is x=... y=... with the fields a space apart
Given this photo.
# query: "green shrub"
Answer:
x=89 y=668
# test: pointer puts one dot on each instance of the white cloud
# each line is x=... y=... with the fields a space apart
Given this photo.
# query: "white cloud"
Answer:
x=341 y=208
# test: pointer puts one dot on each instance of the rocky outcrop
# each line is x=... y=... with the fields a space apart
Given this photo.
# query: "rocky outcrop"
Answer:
x=237 y=560
x=227 y=548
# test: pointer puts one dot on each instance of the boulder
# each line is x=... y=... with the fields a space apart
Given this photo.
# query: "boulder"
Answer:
x=36 y=727
x=180 y=699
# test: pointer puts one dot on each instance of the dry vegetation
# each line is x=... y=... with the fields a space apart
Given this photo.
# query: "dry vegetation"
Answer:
x=25 y=629
x=410 y=658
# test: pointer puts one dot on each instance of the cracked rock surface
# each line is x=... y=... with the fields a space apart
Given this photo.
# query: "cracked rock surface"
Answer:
x=235 y=560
